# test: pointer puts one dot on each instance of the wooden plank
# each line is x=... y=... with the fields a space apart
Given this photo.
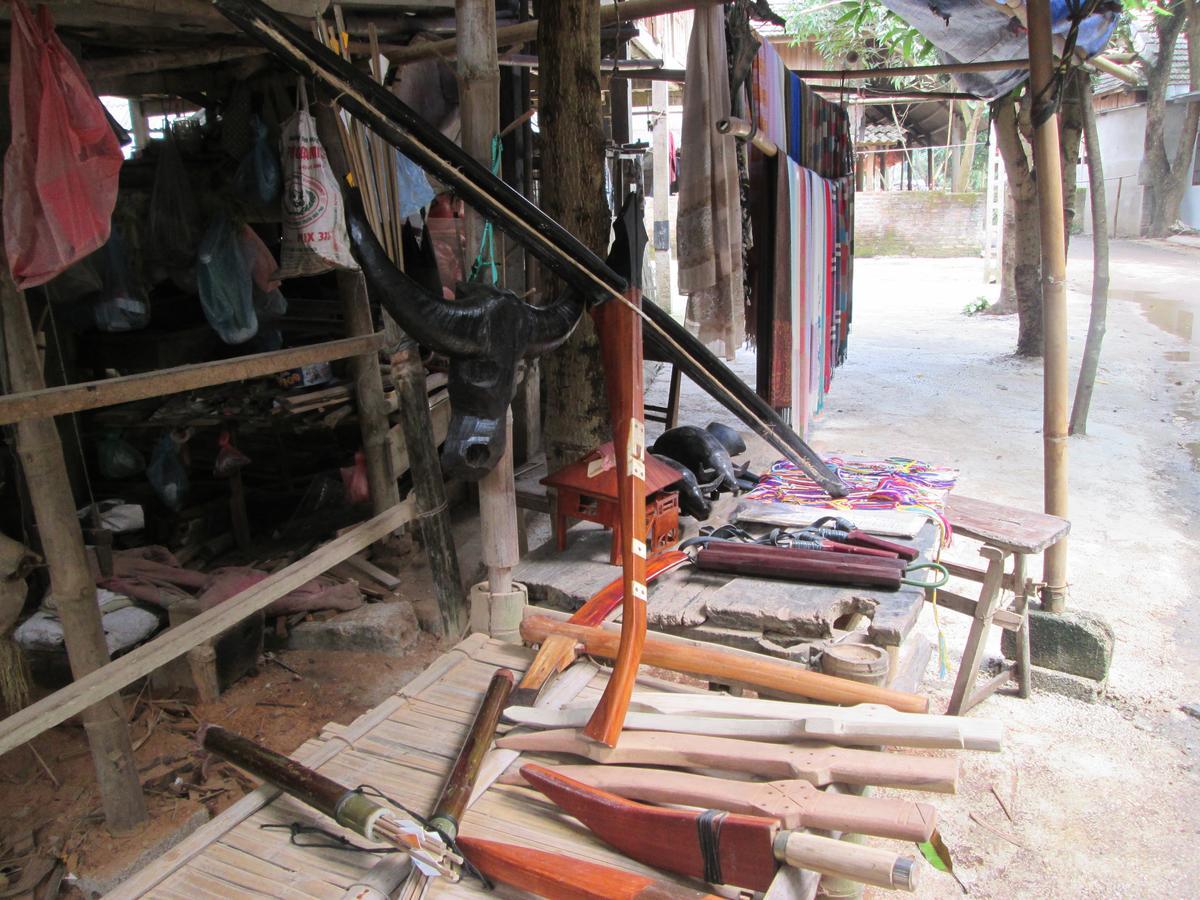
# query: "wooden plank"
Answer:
x=1009 y=528
x=62 y=704
x=69 y=398
x=1002 y=618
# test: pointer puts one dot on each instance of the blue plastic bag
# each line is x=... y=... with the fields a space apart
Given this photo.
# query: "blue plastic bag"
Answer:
x=413 y=192
x=259 y=176
x=224 y=282
x=167 y=475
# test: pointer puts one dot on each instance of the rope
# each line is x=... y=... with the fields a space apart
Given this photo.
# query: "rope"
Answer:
x=486 y=255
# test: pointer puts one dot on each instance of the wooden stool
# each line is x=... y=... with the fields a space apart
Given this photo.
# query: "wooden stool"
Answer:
x=1004 y=531
x=587 y=490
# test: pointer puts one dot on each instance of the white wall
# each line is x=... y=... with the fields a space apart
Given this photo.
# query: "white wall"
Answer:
x=1122 y=132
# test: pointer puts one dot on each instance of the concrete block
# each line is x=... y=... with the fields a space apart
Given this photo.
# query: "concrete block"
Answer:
x=376 y=627
x=1078 y=643
x=1075 y=686
x=1052 y=681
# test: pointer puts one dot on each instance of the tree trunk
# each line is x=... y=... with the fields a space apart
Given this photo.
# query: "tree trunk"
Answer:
x=1096 y=324
x=1166 y=178
x=1070 y=123
x=1025 y=238
x=966 y=159
x=572 y=191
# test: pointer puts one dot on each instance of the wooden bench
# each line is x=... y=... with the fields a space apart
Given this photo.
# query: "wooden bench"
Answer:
x=1003 y=531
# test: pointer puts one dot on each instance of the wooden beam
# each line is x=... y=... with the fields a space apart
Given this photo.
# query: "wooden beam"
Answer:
x=91 y=688
x=511 y=35
x=1001 y=65
x=100 y=69
x=55 y=401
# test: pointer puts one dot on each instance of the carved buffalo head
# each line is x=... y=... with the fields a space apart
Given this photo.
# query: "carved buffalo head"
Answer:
x=485 y=333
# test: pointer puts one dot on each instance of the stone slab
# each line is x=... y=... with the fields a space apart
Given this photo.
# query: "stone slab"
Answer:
x=738 y=610
x=1076 y=642
x=375 y=627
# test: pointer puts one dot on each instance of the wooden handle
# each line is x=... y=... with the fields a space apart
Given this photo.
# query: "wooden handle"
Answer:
x=901 y=820
x=450 y=806
x=558 y=651
x=620 y=331
x=920 y=773
x=868 y=865
x=718 y=664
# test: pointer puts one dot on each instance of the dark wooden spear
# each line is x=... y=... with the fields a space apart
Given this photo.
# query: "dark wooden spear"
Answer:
x=349 y=808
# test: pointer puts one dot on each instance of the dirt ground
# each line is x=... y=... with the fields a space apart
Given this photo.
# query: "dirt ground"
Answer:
x=1104 y=795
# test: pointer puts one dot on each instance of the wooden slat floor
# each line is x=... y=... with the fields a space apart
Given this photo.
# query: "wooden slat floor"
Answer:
x=405 y=748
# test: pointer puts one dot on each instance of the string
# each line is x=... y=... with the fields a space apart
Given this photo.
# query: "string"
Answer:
x=486 y=255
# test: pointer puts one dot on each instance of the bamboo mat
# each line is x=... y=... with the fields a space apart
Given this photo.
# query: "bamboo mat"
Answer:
x=404 y=747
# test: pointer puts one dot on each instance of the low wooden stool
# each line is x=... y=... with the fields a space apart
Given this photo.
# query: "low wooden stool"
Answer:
x=587 y=490
x=1004 y=531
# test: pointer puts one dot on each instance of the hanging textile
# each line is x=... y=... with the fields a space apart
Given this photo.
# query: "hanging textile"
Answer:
x=800 y=303
x=709 y=221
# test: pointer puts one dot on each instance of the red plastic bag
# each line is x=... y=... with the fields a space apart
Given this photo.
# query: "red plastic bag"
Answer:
x=354 y=480
x=60 y=171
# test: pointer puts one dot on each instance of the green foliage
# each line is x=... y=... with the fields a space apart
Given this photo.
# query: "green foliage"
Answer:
x=845 y=29
x=976 y=306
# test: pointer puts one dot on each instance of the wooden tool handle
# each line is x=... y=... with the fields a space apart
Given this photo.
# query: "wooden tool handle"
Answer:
x=450 y=806
x=868 y=865
x=923 y=773
x=901 y=820
x=719 y=664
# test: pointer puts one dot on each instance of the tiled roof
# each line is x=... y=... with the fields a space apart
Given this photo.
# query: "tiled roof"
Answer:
x=881 y=134
x=1145 y=42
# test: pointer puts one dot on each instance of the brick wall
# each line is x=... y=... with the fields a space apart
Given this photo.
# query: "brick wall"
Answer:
x=918 y=223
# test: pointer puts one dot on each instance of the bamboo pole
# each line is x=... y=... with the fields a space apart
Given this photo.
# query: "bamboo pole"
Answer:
x=1048 y=166
x=45 y=402
x=41 y=455
x=368 y=394
x=626 y=11
x=1097 y=193
x=479 y=104
x=661 y=101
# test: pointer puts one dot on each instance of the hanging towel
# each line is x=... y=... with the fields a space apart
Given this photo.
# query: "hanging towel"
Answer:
x=710 y=220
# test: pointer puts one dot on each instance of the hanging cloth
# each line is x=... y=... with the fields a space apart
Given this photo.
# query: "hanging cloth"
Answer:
x=709 y=224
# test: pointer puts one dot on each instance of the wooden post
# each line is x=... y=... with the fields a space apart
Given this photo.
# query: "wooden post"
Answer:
x=479 y=103
x=661 y=102
x=1048 y=166
x=41 y=455
x=368 y=393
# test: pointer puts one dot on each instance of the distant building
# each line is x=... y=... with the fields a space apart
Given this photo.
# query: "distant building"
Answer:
x=1121 y=122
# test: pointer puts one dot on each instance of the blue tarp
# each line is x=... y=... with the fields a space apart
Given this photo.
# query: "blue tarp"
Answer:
x=982 y=30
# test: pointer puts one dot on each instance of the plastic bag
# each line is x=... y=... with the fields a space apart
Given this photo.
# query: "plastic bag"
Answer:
x=354 y=479
x=118 y=458
x=61 y=168
x=174 y=218
x=414 y=192
x=224 y=282
x=121 y=307
x=258 y=177
x=166 y=473
x=229 y=457
x=314 y=224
